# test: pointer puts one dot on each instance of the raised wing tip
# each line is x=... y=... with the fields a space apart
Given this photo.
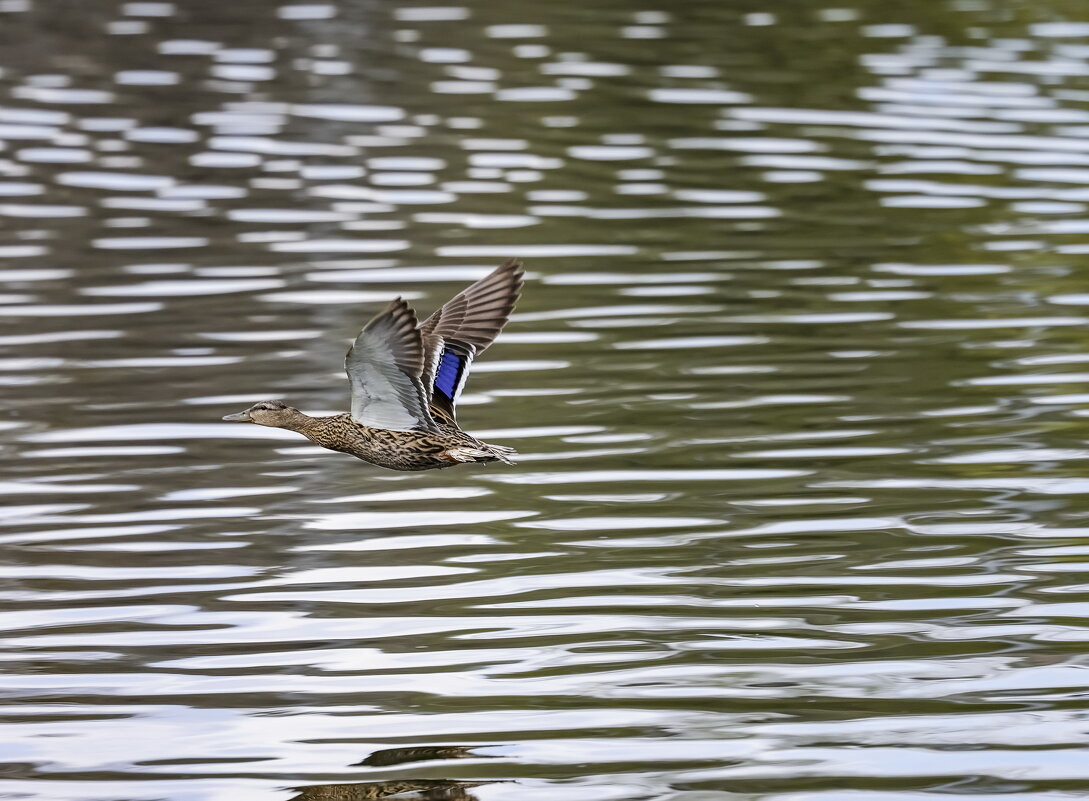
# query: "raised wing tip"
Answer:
x=512 y=268
x=512 y=265
x=396 y=319
x=396 y=309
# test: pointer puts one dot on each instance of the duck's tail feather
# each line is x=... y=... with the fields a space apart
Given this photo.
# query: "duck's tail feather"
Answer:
x=486 y=453
x=503 y=453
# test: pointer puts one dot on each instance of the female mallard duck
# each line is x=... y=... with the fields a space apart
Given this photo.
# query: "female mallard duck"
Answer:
x=406 y=378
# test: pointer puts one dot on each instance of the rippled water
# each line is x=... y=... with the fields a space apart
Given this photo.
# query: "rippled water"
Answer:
x=800 y=380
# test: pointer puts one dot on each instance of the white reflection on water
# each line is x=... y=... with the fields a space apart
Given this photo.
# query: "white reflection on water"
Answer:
x=788 y=366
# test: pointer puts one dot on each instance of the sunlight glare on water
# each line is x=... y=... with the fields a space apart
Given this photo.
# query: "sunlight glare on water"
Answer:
x=799 y=383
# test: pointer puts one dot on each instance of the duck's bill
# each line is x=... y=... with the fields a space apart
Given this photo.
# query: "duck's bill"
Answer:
x=240 y=417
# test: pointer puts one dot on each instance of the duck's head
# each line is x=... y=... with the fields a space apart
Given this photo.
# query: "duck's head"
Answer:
x=266 y=413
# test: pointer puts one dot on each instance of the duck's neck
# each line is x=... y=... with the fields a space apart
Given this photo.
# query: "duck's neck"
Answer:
x=303 y=423
x=337 y=433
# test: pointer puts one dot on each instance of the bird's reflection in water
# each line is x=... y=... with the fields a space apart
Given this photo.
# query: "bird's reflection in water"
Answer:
x=399 y=789
x=399 y=756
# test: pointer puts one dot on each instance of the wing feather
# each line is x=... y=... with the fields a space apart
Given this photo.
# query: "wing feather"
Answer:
x=384 y=366
x=463 y=328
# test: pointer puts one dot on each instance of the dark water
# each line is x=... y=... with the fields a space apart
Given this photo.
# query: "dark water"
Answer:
x=800 y=380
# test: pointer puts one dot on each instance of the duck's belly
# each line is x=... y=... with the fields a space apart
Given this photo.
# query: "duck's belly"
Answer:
x=399 y=450
x=409 y=462
x=396 y=450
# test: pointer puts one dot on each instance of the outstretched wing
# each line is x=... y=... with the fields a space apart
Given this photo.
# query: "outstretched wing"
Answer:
x=384 y=366
x=467 y=324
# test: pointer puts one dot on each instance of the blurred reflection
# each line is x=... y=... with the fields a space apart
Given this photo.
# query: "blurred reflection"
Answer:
x=399 y=756
x=418 y=790
x=800 y=387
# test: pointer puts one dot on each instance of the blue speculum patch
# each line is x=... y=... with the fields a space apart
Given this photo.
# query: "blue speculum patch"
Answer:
x=446 y=377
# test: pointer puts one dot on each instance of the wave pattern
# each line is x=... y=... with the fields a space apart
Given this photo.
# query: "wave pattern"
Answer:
x=799 y=382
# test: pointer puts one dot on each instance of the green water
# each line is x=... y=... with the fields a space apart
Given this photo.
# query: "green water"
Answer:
x=799 y=381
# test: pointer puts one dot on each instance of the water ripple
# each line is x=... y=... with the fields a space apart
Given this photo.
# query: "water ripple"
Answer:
x=796 y=378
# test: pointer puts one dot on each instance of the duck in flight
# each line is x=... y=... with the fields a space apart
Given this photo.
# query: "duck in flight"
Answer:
x=406 y=378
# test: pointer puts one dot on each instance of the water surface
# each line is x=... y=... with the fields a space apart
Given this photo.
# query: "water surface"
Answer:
x=799 y=380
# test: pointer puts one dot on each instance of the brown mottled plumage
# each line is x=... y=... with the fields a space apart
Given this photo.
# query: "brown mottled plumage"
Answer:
x=421 y=753
x=420 y=789
x=406 y=378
